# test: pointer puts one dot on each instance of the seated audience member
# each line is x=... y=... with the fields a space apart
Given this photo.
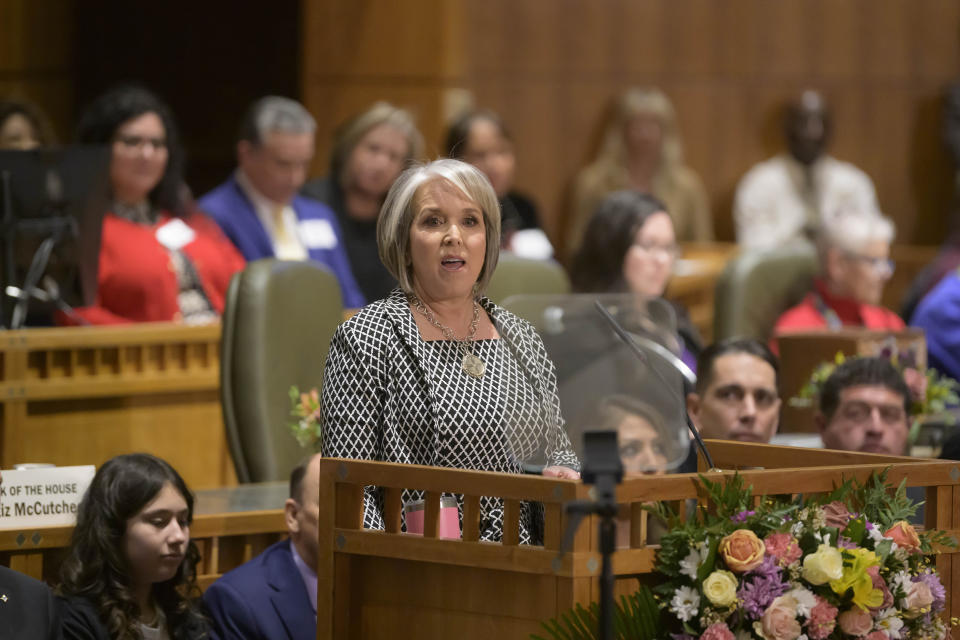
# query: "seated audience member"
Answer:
x=864 y=406
x=642 y=150
x=436 y=373
x=854 y=252
x=736 y=394
x=258 y=206
x=480 y=138
x=629 y=246
x=274 y=596
x=23 y=126
x=160 y=258
x=784 y=199
x=130 y=571
x=28 y=610
x=369 y=152
x=640 y=433
x=938 y=314
x=946 y=261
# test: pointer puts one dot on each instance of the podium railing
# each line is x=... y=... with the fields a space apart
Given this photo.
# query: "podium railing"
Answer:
x=376 y=584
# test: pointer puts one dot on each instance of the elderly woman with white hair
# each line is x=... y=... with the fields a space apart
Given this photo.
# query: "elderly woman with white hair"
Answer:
x=854 y=251
x=435 y=373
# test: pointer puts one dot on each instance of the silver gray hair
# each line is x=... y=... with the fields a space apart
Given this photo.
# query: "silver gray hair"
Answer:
x=399 y=210
x=275 y=113
x=853 y=229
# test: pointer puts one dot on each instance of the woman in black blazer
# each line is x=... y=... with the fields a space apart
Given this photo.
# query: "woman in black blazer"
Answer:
x=130 y=572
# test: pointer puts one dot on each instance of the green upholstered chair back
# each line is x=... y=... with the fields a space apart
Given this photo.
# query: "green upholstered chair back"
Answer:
x=515 y=276
x=277 y=324
x=757 y=286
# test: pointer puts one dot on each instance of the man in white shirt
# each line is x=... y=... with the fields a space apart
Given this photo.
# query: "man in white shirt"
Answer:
x=782 y=200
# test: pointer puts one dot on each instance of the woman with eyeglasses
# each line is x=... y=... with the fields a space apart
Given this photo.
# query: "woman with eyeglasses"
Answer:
x=854 y=251
x=160 y=258
x=630 y=246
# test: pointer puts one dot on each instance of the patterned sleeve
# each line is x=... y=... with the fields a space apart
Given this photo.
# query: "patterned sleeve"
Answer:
x=352 y=410
x=562 y=453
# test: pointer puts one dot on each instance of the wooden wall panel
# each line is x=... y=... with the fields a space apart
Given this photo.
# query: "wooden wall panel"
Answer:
x=36 y=47
x=552 y=70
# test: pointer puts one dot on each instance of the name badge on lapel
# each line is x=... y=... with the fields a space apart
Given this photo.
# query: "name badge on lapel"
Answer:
x=317 y=234
x=175 y=234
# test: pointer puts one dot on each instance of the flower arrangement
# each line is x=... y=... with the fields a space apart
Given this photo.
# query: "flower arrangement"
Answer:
x=845 y=565
x=833 y=567
x=931 y=392
x=305 y=410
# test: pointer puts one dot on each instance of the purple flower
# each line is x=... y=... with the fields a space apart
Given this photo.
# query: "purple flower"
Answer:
x=939 y=594
x=769 y=568
x=845 y=543
x=742 y=516
x=758 y=592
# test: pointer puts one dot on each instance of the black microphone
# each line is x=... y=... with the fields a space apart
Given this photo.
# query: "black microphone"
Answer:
x=628 y=339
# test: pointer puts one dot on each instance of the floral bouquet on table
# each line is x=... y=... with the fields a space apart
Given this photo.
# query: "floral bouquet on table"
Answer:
x=305 y=411
x=845 y=565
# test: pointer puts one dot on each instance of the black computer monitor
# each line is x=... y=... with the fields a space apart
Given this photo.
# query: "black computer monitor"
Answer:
x=52 y=203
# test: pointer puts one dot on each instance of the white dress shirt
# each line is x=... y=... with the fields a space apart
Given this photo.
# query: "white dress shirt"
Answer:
x=779 y=199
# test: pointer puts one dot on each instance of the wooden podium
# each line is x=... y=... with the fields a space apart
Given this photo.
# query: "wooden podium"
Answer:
x=387 y=584
x=82 y=395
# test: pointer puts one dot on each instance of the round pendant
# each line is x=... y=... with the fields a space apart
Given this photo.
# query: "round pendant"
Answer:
x=473 y=365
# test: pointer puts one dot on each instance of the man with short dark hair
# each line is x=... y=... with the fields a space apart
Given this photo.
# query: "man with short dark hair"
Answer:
x=736 y=394
x=864 y=406
x=259 y=207
x=274 y=596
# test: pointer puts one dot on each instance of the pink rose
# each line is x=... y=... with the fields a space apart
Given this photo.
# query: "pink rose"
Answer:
x=783 y=547
x=880 y=583
x=718 y=631
x=822 y=620
x=919 y=599
x=837 y=515
x=779 y=621
x=855 y=622
x=904 y=535
x=742 y=550
x=877 y=635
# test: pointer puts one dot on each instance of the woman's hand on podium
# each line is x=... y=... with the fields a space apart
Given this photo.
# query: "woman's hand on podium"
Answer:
x=561 y=472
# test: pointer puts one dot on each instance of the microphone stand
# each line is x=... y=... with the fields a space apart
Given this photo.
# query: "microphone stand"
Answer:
x=628 y=339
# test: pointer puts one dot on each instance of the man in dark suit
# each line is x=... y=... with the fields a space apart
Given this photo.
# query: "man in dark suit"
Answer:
x=27 y=608
x=274 y=596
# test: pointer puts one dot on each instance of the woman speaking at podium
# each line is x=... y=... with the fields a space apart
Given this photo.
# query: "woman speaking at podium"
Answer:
x=435 y=373
x=160 y=259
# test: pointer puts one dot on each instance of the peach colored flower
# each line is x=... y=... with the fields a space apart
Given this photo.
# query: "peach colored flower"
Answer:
x=877 y=635
x=916 y=383
x=855 y=622
x=904 y=535
x=918 y=600
x=783 y=547
x=779 y=621
x=742 y=550
x=718 y=631
x=836 y=514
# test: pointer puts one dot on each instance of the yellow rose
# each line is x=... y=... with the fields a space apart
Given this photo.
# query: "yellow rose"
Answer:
x=742 y=550
x=720 y=587
x=823 y=566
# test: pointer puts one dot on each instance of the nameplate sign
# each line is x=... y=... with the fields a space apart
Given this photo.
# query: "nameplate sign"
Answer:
x=42 y=497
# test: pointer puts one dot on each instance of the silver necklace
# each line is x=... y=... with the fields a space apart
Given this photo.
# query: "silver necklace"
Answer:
x=472 y=365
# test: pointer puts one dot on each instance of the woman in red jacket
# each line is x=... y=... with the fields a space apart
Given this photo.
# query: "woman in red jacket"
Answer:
x=160 y=258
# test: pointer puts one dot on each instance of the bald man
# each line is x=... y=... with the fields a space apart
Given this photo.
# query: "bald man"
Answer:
x=274 y=596
x=781 y=201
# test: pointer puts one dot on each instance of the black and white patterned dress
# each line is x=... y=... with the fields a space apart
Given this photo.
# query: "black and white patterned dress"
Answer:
x=389 y=395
